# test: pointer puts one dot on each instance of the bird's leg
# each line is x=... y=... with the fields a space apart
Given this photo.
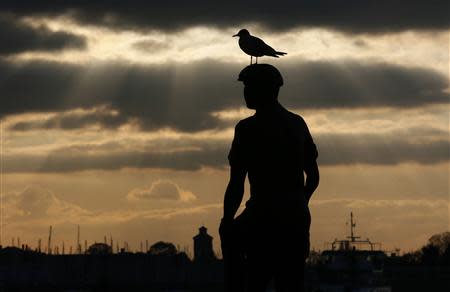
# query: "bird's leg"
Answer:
x=251 y=60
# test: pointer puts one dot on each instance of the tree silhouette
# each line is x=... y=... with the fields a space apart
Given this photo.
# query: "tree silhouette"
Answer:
x=163 y=248
x=437 y=250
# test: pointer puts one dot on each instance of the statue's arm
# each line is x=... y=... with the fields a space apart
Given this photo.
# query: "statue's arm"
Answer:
x=234 y=192
x=311 y=169
x=312 y=180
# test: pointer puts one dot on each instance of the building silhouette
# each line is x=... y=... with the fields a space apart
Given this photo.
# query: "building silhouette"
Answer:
x=203 y=246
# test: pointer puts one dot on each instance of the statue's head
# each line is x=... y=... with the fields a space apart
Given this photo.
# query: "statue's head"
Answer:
x=262 y=83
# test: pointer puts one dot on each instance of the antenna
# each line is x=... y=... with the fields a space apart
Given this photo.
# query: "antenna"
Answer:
x=352 y=225
x=78 y=240
x=49 y=245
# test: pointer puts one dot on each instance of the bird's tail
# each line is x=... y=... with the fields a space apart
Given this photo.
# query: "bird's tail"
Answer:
x=280 y=53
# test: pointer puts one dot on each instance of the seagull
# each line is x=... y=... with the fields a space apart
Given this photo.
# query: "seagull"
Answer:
x=255 y=47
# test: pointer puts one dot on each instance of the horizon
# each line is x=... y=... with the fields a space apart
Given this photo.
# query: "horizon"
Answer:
x=144 y=246
x=120 y=120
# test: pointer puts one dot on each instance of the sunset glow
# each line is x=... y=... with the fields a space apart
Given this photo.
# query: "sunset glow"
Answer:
x=126 y=131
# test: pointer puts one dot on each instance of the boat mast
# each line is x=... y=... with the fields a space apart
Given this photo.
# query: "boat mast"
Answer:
x=352 y=225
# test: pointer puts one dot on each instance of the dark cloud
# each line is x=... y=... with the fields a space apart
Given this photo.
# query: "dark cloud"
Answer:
x=183 y=96
x=59 y=161
x=373 y=16
x=73 y=121
x=190 y=155
x=376 y=149
x=180 y=97
x=18 y=37
x=349 y=84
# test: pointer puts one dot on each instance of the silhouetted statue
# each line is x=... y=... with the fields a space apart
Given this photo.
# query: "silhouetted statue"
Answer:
x=270 y=238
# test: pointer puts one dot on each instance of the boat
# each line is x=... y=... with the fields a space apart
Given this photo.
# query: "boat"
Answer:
x=350 y=265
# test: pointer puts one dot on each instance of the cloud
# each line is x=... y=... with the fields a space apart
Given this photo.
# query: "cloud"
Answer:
x=351 y=16
x=150 y=46
x=36 y=203
x=382 y=149
x=161 y=190
x=59 y=161
x=360 y=43
x=73 y=120
x=18 y=37
x=185 y=97
x=349 y=84
x=371 y=204
x=422 y=146
x=158 y=96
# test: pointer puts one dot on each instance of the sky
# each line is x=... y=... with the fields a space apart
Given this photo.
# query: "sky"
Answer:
x=118 y=116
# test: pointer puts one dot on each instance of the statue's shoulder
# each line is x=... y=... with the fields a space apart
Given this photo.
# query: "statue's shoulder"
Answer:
x=294 y=118
x=246 y=123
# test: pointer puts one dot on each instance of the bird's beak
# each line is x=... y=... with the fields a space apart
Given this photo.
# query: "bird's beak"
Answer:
x=235 y=35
